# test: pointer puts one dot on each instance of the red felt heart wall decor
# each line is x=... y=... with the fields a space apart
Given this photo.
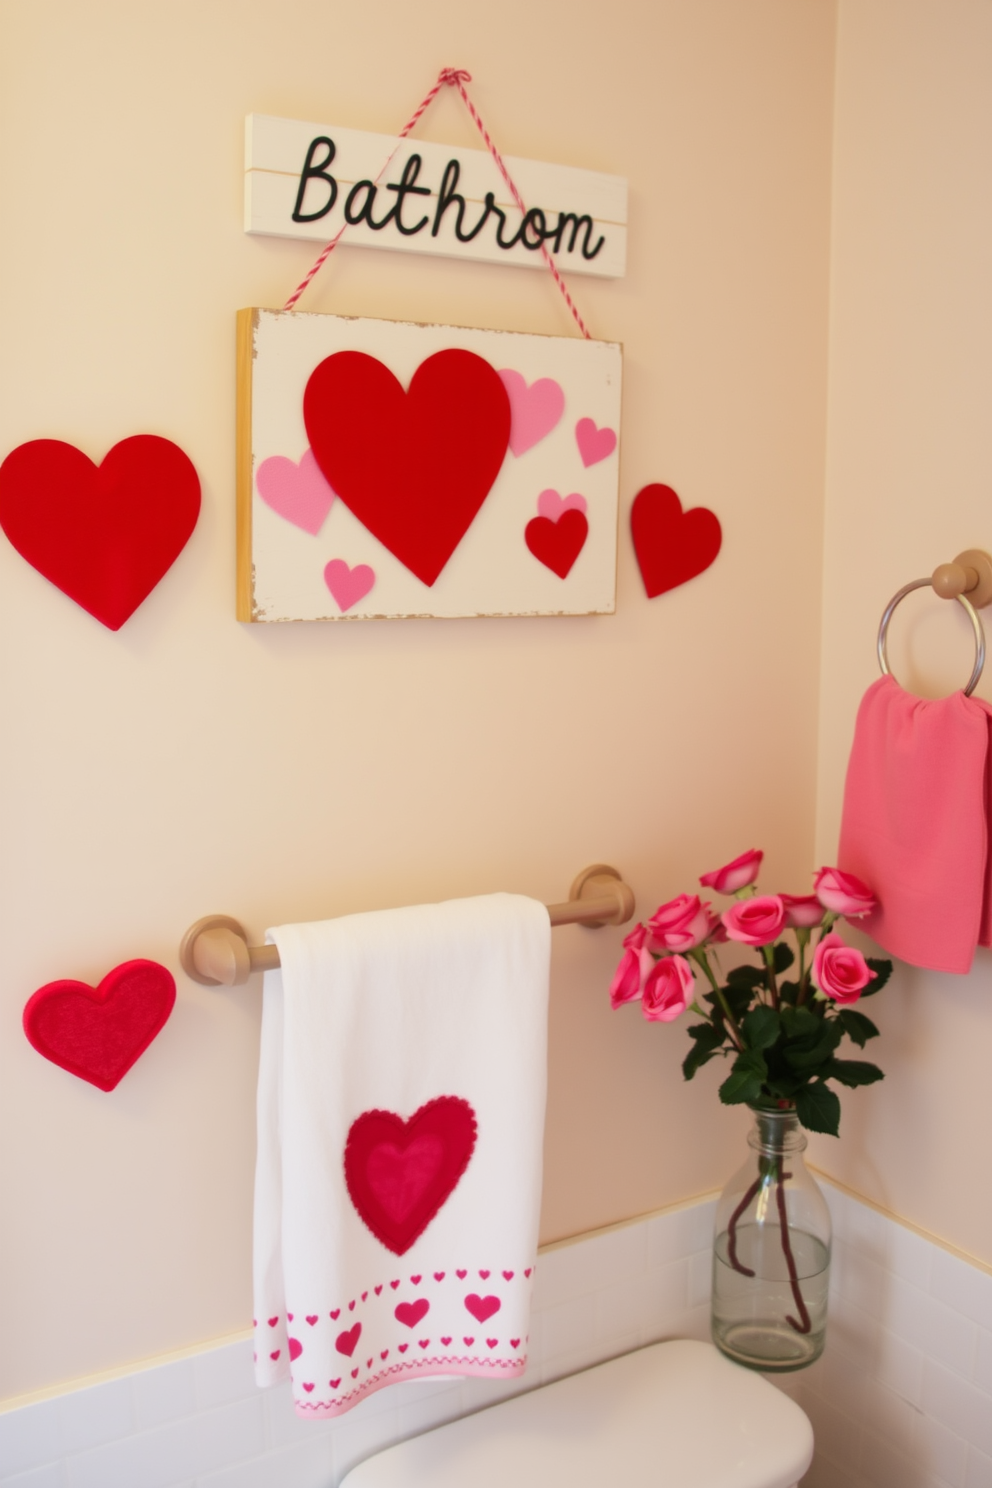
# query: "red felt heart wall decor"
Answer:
x=558 y=543
x=414 y=467
x=672 y=546
x=97 y=1033
x=399 y=1173
x=104 y=534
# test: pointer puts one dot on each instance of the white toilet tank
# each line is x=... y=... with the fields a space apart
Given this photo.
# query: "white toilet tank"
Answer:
x=675 y=1415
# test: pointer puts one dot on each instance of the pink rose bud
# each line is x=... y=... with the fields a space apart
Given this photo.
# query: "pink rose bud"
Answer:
x=757 y=921
x=843 y=893
x=840 y=971
x=802 y=912
x=628 y=981
x=681 y=924
x=668 y=990
x=736 y=875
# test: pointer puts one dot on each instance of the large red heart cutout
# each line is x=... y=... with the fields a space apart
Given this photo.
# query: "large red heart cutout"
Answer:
x=416 y=466
x=399 y=1173
x=97 y=1033
x=672 y=546
x=104 y=534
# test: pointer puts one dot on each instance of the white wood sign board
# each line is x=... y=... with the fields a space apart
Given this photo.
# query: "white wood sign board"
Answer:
x=307 y=180
x=361 y=441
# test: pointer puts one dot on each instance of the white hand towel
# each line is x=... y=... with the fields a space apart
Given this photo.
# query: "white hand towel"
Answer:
x=401 y=1098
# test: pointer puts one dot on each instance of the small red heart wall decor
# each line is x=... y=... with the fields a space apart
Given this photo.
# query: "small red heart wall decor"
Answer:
x=413 y=466
x=104 y=534
x=672 y=546
x=400 y=1173
x=97 y=1033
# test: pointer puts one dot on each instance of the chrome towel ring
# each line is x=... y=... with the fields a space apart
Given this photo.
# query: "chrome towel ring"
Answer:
x=976 y=626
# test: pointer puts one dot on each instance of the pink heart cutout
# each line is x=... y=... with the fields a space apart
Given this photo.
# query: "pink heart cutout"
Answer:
x=553 y=506
x=482 y=1308
x=348 y=585
x=594 y=444
x=446 y=1341
x=300 y=493
x=347 y=1342
x=534 y=410
x=308 y=1388
x=492 y=1342
x=311 y=1318
x=410 y=1313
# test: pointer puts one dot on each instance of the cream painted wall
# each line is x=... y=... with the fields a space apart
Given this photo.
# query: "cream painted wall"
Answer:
x=909 y=475
x=189 y=764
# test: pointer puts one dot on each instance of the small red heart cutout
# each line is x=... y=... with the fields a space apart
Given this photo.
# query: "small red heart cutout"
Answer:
x=469 y=1342
x=347 y=1342
x=378 y=1290
x=351 y=1306
x=275 y=1354
x=335 y=1314
x=482 y=1308
x=413 y=466
x=416 y=1280
x=311 y=1318
x=399 y=1173
x=410 y=1313
x=672 y=546
x=403 y=1347
x=514 y=1342
x=446 y=1341
x=354 y=1374
x=528 y=1271
x=365 y=1296
x=308 y=1388
x=484 y=1275
x=104 y=534
x=492 y=1342
x=507 y=1275
x=98 y=1033
x=334 y=1383
x=438 y=1275
x=423 y=1342
x=383 y=1353
x=273 y=1320
x=557 y=544
x=461 y=1275
x=394 y=1285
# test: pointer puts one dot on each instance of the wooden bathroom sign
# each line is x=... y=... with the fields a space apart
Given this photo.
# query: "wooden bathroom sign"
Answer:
x=388 y=470
x=309 y=180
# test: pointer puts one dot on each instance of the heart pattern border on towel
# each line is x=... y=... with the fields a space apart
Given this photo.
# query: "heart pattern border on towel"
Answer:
x=399 y=1174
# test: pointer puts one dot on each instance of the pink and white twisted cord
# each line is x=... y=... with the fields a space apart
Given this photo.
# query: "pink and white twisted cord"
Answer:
x=456 y=78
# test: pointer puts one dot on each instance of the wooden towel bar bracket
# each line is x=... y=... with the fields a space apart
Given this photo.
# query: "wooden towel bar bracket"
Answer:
x=215 y=951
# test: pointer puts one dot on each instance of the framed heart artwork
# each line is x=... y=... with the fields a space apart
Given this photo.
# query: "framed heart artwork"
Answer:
x=388 y=470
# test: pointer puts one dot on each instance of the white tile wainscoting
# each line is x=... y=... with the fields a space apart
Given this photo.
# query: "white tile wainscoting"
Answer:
x=901 y=1399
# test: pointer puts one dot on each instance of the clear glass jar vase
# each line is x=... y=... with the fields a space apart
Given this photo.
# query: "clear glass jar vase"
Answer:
x=771 y=1255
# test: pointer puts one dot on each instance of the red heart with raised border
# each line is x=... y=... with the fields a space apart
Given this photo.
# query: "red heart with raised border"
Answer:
x=104 y=534
x=672 y=546
x=97 y=1033
x=414 y=467
x=557 y=544
x=399 y=1173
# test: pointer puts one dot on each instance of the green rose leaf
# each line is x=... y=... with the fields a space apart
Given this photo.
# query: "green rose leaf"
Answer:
x=818 y=1108
x=882 y=969
x=743 y=1084
x=857 y=1027
x=747 y=977
x=783 y=957
x=807 y=1058
x=801 y=1023
x=761 y=1027
x=852 y=1072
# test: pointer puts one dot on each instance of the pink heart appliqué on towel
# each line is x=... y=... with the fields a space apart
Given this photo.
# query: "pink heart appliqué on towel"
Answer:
x=399 y=1173
x=482 y=1308
x=298 y=492
x=594 y=444
x=553 y=506
x=348 y=585
x=534 y=410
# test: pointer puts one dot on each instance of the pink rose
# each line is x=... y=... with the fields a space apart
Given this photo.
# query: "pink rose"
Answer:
x=668 y=990
x=843 y=893
x=736 y=875
x=628 y=982
x=840 y=971
x=681 y=924
x=802 y=912
x=757 y=921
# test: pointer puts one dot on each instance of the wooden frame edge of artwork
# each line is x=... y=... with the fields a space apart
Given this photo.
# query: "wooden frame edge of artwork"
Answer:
x=243 y=473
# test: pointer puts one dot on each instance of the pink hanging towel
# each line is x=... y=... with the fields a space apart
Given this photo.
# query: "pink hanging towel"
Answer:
x=916 y=823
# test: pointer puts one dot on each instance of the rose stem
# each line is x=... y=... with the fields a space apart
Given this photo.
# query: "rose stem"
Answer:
x=732 y=1228
x=735 y=1035
x=805 y=1326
